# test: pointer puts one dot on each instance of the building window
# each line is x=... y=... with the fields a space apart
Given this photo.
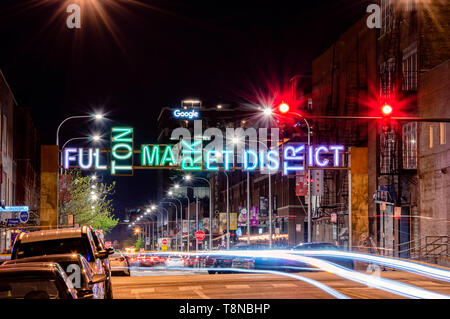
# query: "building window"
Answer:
x=389 y=155
x=409 y=70
x=387 y=16
x=387 y=71
x=430 y=136
x=442 y=133
x=410 y=145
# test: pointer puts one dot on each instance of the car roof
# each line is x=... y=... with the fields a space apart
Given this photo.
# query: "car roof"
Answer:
x=46 y=258
x=30 y=267
x=316 y=243
x=52 y=234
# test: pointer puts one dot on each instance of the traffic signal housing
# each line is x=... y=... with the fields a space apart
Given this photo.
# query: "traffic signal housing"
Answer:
x=283 y=107
x=386 y=113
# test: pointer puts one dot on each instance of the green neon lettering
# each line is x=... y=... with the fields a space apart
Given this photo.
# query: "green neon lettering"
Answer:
x=115 y=168
x=120 y=156
x=123 y=131
x=187 y=162
x=168 y=157
x=146 y=159
x=190 y=167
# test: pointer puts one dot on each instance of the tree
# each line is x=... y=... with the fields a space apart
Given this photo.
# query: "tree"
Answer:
x=139 y=243
x=89 y=203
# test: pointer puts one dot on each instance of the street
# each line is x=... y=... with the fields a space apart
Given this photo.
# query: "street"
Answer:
x=255 y=286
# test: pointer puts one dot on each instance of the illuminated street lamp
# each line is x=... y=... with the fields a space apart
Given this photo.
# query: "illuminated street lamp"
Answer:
x=97 y=116
x=268 y=111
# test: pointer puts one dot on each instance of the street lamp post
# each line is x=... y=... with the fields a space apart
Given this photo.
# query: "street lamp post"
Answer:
x=95 y=116
x=235 y=141
x=176 y=214
x=210 y=207
x=189 y=223
x=228 y=210
x=309 y=177
x=181 y=217
x=284 y=108
x=167 y=213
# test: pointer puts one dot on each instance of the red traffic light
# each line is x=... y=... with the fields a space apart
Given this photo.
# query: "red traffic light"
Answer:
x=386 y=109
x=283 y=107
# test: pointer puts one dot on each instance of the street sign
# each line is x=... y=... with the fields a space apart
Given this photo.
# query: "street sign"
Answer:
x=200 y=235
x=23 y=217
x=333 y=218
x=13 y=221
x=164 y=241
x=107 y=244
x=16 y=209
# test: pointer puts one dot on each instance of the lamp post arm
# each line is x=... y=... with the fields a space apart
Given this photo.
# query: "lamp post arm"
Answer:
x=64 y=121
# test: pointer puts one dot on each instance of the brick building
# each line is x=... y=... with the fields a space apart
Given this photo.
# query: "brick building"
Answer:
x=343 y=84
x=434 y=153
x=414 y=38
x=7 y=164
x=27 y=158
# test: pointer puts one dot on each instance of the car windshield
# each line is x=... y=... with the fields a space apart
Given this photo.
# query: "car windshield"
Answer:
x=53 y=247
x=28 y=287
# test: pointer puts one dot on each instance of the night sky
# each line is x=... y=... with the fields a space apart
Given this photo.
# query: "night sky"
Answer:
x=150 y=54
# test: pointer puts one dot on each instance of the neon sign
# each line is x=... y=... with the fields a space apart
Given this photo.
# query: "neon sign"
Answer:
x=192 y=114
x=193 y=156
x=122 y=151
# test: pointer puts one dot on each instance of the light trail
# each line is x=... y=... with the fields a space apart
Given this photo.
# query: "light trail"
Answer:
x=371 y=281
x=312 y=282
x=412 y=267
x=391 y=286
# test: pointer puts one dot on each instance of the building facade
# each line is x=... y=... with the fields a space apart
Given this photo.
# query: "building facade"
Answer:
x=27 y=158
x=7 y=164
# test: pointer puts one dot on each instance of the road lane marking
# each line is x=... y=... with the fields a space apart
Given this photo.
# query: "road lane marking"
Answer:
x=184 y=288
x=142 y=290
x=237 y=286
x=284 y=285
x=201 y=294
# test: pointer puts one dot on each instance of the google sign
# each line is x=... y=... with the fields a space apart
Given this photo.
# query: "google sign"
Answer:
x=192 y=114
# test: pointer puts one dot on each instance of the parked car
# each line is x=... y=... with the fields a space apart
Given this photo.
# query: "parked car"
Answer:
x=87 y=283
x=66 y=241
x=119 y=264
x=318 y=246
x=37 y=280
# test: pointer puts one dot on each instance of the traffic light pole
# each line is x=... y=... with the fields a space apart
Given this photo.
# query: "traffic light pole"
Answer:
x=309 y=179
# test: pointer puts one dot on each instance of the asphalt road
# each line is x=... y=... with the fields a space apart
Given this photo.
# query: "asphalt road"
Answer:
x=176 y=285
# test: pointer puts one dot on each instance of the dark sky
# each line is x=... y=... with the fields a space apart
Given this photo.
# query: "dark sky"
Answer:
x=154 y=54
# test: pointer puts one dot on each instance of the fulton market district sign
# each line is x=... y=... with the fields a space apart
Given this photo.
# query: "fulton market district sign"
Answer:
x=220 y=153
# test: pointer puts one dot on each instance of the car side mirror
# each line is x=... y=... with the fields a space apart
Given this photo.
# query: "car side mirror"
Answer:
x=85 y=293
x=102 y=254
x=110 y=251
x=97 y=278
